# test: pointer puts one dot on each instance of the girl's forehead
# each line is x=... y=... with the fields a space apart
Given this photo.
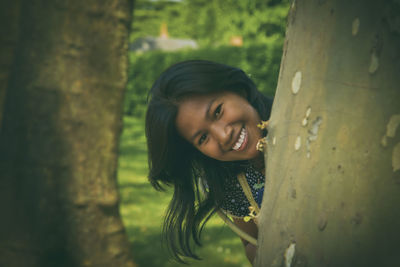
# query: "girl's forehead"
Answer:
x=192 y=108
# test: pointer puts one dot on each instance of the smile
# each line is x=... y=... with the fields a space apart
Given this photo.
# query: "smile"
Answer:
x=242 y=138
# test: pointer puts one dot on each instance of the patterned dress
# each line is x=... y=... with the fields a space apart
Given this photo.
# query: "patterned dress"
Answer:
x=236 y=203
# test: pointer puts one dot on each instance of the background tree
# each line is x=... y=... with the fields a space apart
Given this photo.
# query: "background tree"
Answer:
x=63 y=90
x=9 y=17
x=333 y=163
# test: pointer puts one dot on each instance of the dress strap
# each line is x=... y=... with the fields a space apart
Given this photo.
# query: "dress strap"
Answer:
x=247 y=191
x=224 y=216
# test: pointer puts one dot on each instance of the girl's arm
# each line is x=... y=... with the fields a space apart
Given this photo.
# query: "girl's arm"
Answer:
x=250 y=228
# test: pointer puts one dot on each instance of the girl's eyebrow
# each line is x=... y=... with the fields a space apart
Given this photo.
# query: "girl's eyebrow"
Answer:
x=206 y=115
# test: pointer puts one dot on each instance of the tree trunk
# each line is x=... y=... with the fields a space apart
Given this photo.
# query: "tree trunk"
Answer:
x=9 y=18
x=60 y=130
x=333 y=164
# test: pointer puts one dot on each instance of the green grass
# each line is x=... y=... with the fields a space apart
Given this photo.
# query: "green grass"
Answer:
x=142 y=209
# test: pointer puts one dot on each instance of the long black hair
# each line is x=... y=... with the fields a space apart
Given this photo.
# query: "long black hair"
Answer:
x=175 y=162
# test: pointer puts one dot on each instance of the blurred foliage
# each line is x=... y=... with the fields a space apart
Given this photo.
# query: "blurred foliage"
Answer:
x=212 y=22
x=260 y=61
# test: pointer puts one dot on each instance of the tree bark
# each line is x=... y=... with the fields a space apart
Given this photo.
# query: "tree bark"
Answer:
x=60 y=130
x=9 y=18
x=333 y=160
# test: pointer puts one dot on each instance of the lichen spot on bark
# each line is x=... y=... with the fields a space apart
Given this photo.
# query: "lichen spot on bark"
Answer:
x=396 y=157
x=308 y=112
x=297 y=143
x=355 y=26
x=391 y=128
x=289 y=254
x=313 y=132
x=305 y=120
x=296 y=82
x=322 y=221
x=374 y=64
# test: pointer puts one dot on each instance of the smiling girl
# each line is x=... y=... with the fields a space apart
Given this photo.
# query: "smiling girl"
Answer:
x=201 y=129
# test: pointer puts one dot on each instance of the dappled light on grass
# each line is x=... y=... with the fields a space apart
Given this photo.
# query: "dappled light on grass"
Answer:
x=142 y=209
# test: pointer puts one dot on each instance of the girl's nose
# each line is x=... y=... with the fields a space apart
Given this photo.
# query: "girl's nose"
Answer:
x=223 y=134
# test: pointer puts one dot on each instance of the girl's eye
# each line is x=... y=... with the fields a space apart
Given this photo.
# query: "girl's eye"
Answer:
x=202 y=138
x=217 y=111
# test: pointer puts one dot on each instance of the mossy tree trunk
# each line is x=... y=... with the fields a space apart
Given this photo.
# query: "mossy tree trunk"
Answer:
x=9 y=21
x=333 y=162
x=62 y=81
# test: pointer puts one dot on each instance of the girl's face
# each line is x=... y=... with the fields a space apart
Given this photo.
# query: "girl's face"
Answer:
x=221 y=125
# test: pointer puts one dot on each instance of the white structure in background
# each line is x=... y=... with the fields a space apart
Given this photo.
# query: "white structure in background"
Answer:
x=161 y=43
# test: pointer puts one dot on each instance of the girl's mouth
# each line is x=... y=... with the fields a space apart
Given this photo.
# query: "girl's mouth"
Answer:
x=242 y=140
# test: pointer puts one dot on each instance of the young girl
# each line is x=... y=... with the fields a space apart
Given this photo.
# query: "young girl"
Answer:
x=201 y=129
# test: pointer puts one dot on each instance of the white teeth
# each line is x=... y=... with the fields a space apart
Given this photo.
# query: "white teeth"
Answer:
x=241 y=139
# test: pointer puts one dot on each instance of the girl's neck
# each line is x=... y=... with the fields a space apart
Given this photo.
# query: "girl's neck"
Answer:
x=258 y=163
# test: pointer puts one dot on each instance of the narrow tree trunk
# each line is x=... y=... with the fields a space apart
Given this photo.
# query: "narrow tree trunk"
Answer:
x=59 y=136
x=9 y=18
x=333 y=165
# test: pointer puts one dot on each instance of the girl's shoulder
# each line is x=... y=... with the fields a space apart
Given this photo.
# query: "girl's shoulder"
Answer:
x=235 y=201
